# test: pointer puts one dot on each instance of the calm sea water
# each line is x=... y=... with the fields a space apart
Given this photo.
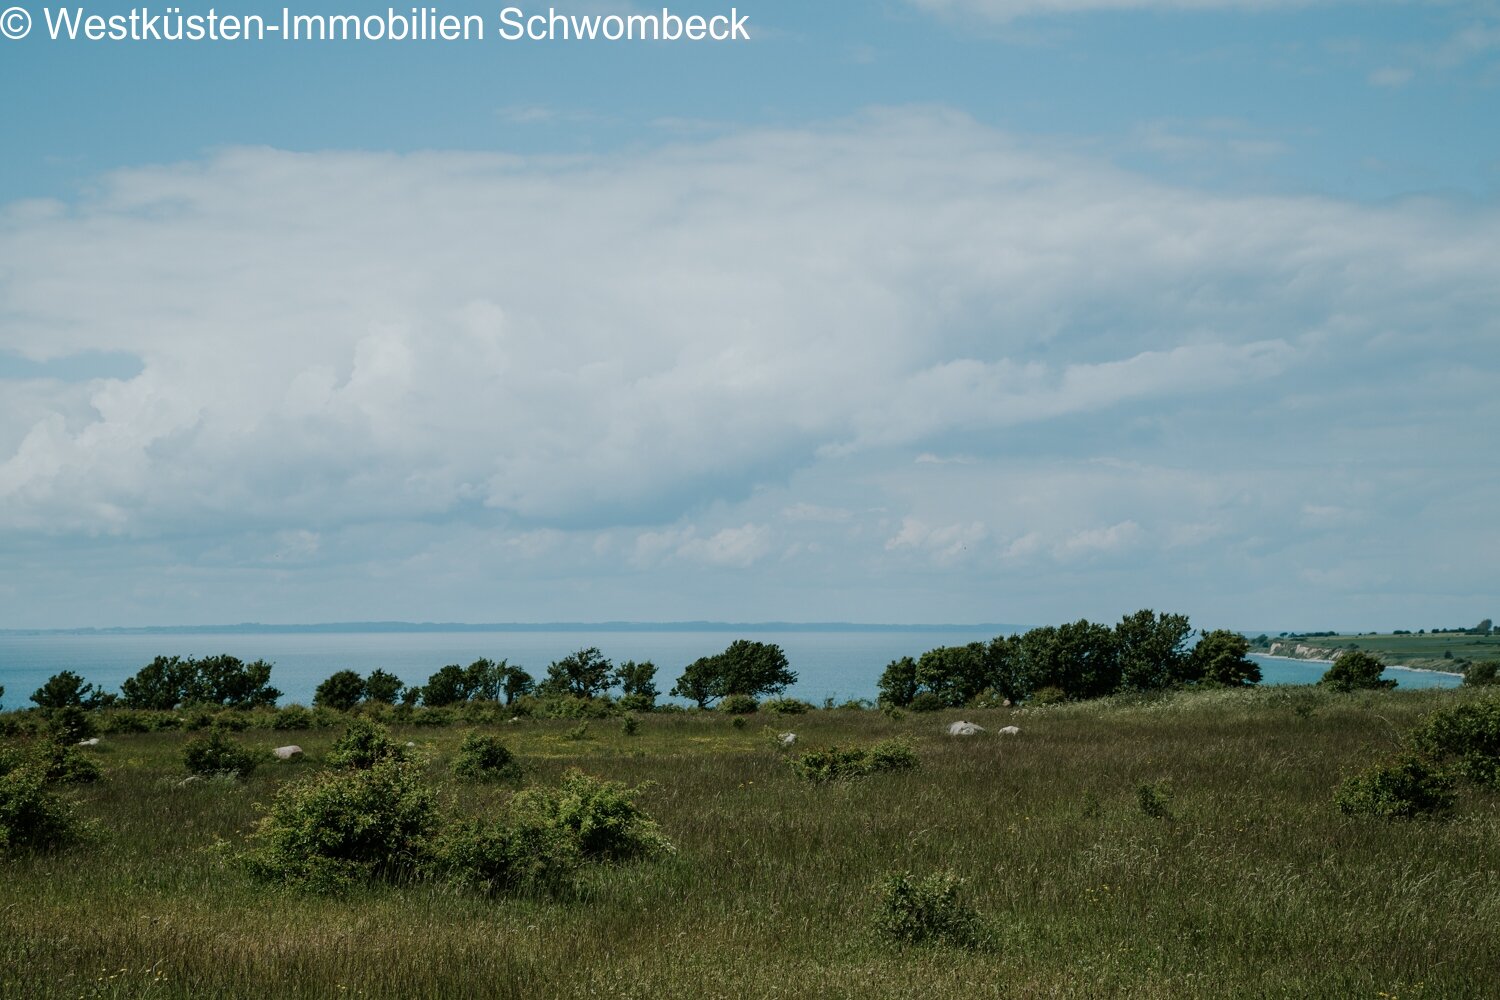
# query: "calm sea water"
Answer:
x=839 y=664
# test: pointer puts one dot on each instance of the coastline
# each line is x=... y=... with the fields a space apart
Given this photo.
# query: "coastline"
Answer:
x=1388 y=666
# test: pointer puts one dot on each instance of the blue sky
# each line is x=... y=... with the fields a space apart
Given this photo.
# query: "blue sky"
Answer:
x=905 y=311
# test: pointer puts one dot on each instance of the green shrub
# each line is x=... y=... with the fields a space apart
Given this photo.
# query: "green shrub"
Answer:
x=431 y=717
x=70 y=724
x=65 y=764
x=1470 y=735
x=341 y=691
x=928 y=910
x=512 y=855
x=1356 y=670
x=601 y=816
x=1482 y=674
x=739 y=704
x=32 y=817
x=232 y=721
x=1154 y=799
x=1048 y=695
x=838 y=763
x=339 y=828
x=292 y=717
x=216 y=754
x=363 y=745
x=578 y=732
x=124 y=720
x=485 y=758
x=630 y=725
x=926 y=701
x=1407 y=787
x=786 y=706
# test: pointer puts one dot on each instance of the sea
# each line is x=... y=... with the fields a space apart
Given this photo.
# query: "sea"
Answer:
x=834 y=662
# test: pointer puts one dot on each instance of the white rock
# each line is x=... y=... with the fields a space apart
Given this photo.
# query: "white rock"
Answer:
x=965 y=729
x=92 y=741
x=287 y=753
x=787 y=739
x=1010 y=730
x=410 y=743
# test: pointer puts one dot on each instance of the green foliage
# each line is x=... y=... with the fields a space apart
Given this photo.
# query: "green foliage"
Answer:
x=601 y=816
x=341 y=691
x=745 y=668
x=578 y=732
x=839 y=763
x=32 y=816
x=1482 y=674
x=926 y=701
x=336 y=829
x=65 y=764
x=1081 y=658
x=1467 y=734
x=1152 y=649
x=70 y=724
x=786 y=706
x=292 y=717
x=630 y=725
x=927 y=910
x=483 y=757
x=739 y=704
x=1154 y=799
x=68 y=690
x=1356 y=670
x=1409 y=786
x=637 y=685
x=225 y=681
x=1219 y=658
x=515 y=854
x=583 y=674
x=954 y=674
x=217 y=754
x=364 y=745
x=898 y=683
x=383 y=688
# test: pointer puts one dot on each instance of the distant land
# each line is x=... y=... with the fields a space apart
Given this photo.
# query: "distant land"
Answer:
x=256 y=628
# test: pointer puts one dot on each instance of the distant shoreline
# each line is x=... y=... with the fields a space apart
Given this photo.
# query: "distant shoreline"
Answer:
x=1388 y=666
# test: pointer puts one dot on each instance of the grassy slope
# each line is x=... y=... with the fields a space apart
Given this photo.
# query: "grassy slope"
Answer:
x=1254 y=887
x=1421 y=651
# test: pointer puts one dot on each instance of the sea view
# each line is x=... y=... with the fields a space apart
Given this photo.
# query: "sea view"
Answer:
x=833 y=662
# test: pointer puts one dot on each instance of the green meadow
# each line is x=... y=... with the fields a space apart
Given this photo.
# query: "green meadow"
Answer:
x=1182 y=845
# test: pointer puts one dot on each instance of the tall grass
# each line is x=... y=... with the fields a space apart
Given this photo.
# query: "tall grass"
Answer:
x=1251 y=884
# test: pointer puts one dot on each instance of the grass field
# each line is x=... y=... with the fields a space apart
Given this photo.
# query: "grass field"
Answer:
x=1250 y=885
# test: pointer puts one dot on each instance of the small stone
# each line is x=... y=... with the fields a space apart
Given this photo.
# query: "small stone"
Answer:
x=1010 y=730
x=287 y=753
x=92 y=741
x=787 y=739
x=965 y=729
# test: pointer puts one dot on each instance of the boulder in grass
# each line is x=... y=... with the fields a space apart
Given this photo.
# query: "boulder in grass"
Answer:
x=787 y=739
x=287 y=753
x=92 y=741
x=1010 y=731
x=965 y=729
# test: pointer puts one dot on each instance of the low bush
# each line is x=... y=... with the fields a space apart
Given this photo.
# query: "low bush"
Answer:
x=1154 y=799
x=70 y=724
x=363 y=745
x=838 y=763
x=739 y=704
x=485 y=758
x=927 y=910
x=926 y=701
x=216 y=754
x=292 y=717
x=339 y=828
x=1049 y=695
x=1467 y=734
x=124 y=721
x=630 y=725
x=64 y=764
x=509 y=856
x=32 y=816
x=786 y=706
x=1409 y=786
x=601 y=816
x=1482 y=674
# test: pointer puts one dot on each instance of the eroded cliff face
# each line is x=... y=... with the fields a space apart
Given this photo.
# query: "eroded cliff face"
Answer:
x=1302 y=651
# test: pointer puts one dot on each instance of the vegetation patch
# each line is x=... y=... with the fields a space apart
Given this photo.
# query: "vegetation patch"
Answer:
x=927 y=910
x=482 y=757
x=839 y=763
x=216 y=754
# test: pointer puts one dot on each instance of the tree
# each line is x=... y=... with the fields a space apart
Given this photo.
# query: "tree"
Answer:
x=1484 y=627
x=638 y=684
x=341 y=691
x=1152 y=649
x=699 y=682
x=448 y=686
x=1220 y=657
x=584 y=674
x=517 y=682
x=229 y=682
x=68 y=690
x=1356 y=670
x=898 y=682
x=753 y=669
x=1481 y=674
x=160 y=684
x=383 y=687
x=955 y=674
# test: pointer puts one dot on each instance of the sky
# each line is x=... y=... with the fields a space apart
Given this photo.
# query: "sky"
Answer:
x=902 y=311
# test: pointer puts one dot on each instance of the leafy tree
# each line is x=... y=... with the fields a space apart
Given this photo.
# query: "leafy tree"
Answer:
x=1484 y=627
x=1081 y=659
x=160 y=684
x=1480 y=674
x=228 y=681
x=955 y=674
x=746 y=668
x=584 y=674
x=898 y=682
x=448 y=686
x=1356 y=670
x=68 y=690
x=1005 y=666
x=1220 y=657
x=638 y=684
x=2 y=695
x=1152 y=649
x=516 y=683
x=342 y=691
x=383 y=687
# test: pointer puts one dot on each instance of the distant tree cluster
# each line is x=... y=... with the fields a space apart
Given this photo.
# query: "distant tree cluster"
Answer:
x=745 y=669
x=169 y=682
x=1144 y=652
